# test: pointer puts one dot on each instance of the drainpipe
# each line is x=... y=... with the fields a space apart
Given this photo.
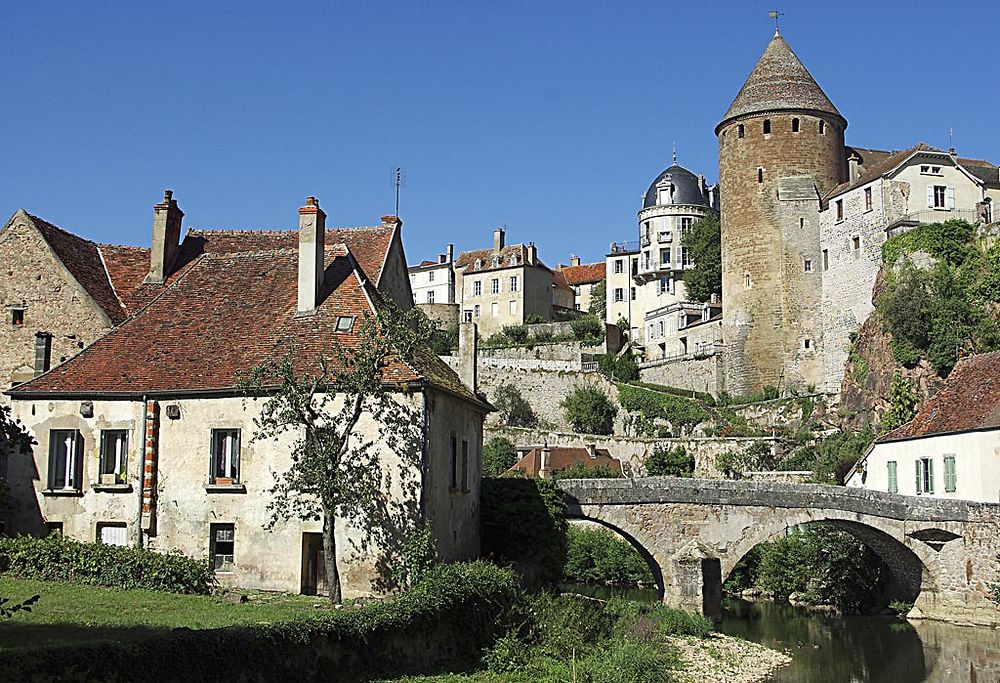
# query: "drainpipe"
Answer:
x=142 y=470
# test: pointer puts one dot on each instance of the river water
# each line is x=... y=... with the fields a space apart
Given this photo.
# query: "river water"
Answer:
x=846 y=649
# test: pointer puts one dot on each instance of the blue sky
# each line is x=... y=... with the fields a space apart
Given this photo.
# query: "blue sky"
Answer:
x=549 y=117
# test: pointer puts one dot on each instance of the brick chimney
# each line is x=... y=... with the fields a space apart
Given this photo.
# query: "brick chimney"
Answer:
x=167 y=218
x=498 y=242
x=574 y=260
x=392 y=221
x=43 y=352
x=468 y=350
x=312 y=235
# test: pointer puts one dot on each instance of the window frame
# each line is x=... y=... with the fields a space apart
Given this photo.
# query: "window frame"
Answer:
x=71 y=467
x=950 y=474
x=513 y=283
x=234 y=464
x=924 y=474
x=619 y=294
x=430 y=297
x=892 y=476
x=619 y=266
x=868 y=199
x=453 y=463
x=121 y=459
x=495 y=285
x=215 y=530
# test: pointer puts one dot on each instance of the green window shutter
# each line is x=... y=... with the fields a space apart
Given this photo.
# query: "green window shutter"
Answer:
x=949 y=473
x=917 y=464
x=893 y=483
x=930 y=475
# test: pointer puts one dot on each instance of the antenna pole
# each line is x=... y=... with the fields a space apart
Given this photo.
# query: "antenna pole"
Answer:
x=399 y=180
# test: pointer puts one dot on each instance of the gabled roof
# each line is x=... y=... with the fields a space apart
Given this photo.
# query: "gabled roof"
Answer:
x=231 y=311
x=562 y=457
x=969 y=400
x=467 y=259
x=586 y=273
x=82 y=259
x=779 y=81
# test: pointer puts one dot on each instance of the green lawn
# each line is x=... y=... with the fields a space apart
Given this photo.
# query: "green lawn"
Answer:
x=72 y=613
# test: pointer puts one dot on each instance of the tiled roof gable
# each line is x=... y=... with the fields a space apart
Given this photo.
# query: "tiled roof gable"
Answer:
x=583 y=274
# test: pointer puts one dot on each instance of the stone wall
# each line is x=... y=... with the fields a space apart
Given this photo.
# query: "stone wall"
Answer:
x=501 y=363
x=445 y=316
x=704 y=373
x=630 y=450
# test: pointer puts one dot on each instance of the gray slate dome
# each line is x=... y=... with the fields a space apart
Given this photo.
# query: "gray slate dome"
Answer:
x=686 y=188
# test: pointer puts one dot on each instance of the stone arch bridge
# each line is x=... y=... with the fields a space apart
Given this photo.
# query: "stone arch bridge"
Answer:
x=693 y=532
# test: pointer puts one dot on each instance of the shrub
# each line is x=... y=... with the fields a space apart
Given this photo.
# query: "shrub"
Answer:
x=618 y=368
x=832 y=458
x=578 y=470
x=444 y=342
x=514 y=410
x=669 y=462
x=590 y=411
x=418 y=557
x=754 y=458
x=445 y=620
x=523 y=522
x=587 y=327
x=681 y=413
x=55 y=558
x=516 y=333
x=595 y=555
x=903 y=402
x=533 y=319
x=499 y=455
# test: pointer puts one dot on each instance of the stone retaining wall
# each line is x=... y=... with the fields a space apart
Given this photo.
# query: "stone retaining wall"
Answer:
x=698 y=373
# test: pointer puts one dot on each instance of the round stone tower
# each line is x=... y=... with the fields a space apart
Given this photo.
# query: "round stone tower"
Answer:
x=781 y=148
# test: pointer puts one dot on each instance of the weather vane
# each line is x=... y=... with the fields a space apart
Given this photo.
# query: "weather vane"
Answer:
x=675 y=152
x=774 y=14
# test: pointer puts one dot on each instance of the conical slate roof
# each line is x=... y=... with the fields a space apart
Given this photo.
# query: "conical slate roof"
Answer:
x=779 y=81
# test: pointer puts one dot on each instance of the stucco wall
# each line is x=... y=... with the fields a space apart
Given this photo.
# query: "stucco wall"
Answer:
x=186 y=507
x=54 y=302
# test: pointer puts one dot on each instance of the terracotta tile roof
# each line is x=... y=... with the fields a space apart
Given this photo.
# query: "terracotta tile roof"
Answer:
x=969 y=399
x=883 y=163
x=779 y=81
x=562 y=457
x=467 y=259
x=228 y=312
x=127 y=267
x=82 y=259
x=587 y=273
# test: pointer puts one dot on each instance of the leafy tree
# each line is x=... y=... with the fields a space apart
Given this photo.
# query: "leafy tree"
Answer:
x=599 y=300
x=580 y=471
x=669 y=462
x=336 y=465
x=514 y=410
x=902 y=404
x=590 y=411
x=499 y=456
x=704 y=244
x=587 y=327
x=832 y=458
x=596 y=555
x=621 y=368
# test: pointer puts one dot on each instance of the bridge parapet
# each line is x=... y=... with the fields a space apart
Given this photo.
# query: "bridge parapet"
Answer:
x=773 y=494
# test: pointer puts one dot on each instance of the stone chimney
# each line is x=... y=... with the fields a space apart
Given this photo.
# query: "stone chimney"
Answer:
x=545 y=470
x=451 y=252
x=532 y=254
x=853 y=167
x=468 y=350
x=312 y=238
x=43 y=352
x=498 y=242
x=574 y=260
x=167 y=218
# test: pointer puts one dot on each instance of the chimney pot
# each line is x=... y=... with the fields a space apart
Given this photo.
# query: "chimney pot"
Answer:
x=168 y=195
x=574 y=260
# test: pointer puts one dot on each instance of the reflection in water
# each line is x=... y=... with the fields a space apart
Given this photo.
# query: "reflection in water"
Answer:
x=870 y=649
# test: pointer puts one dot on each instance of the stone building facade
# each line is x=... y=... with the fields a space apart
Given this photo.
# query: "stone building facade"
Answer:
x=144 y=437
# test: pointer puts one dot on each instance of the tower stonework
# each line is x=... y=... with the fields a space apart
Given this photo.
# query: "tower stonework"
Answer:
x=781 y=147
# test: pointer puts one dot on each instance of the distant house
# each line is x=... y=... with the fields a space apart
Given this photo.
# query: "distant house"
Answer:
x=144 y=438
x=545 y=461
x=582 y=278
x=951 y=449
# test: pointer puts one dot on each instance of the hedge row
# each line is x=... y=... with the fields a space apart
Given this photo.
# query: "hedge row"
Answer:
x=445 y=620
x=59 y=559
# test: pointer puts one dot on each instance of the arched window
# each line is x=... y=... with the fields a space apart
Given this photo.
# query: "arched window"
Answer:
x=795 y=125
x=767 y=126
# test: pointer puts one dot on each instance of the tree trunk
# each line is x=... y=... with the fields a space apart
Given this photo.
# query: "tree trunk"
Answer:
x=330 y=557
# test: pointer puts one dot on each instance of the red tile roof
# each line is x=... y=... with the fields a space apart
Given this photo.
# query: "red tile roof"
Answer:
x=562 y=457
x=82 y=259
x=127 y=267
x=969 y=399
x=587 y=273
x=467 y=259
x=228 y=312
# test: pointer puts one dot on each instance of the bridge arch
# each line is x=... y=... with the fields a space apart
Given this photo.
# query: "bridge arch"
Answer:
x=642 y=549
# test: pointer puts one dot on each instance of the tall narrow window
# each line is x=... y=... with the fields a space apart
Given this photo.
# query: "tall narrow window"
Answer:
x=619 y=266
x=477 y=288
x=222 y=546
x=513 y=283
x=802 y=223
x=513 y=307
x=795 y=125
x=65 y=459
x=826 y=259
x=619 y=294
x=949 y=473
x=807 y=265
x=430 y=276
x=114 y=449
x=868 y=199
x=494 y=309
x=840 y=209
x=465 y=466
x=476 y=310
x=822 y=127
x=665 y=257
x=767 y=126
x=686 y=223
x=430 y=297
x=893 y=477
x=225 y=456
x=746 y=281
x=925 y=475
x=856 y=247
x=453 y=464
x=760 y=174
x=740 y=131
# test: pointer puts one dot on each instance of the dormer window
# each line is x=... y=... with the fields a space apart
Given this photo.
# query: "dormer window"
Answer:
x=479 y=263
x=346 y=322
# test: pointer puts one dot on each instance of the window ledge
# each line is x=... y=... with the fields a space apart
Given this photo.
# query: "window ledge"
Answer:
x=71 y=493
x=112 y=488
x=225 y=488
